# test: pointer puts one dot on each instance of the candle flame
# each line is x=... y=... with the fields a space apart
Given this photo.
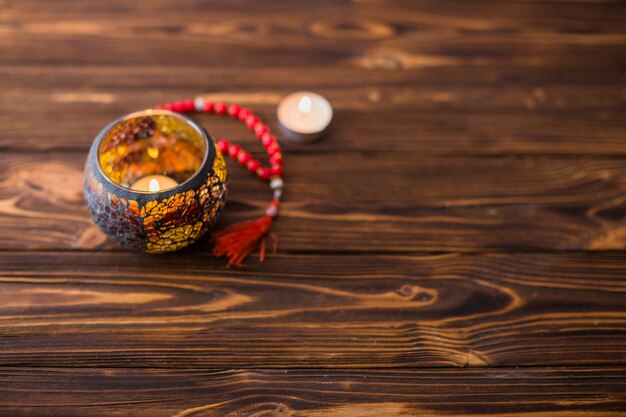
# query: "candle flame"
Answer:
x=305 y=104
x=153 y=152
x=154 y=185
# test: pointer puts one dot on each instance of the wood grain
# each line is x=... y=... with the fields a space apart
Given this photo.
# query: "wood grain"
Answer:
x=485 y=79
x=102 y=309
x=553 y=392
x=413 y=34
x=373 y=202
x=433 y=112
x=458 y=234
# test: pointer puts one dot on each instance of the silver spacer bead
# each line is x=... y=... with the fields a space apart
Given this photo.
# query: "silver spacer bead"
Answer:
x=199 y=104
x=276 y=183
x=278 y=194
x=272 y=211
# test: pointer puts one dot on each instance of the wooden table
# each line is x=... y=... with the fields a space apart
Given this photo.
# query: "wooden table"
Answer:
x=454 y=247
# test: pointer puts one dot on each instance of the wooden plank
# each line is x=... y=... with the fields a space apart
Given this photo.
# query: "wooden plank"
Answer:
x=361 y=202
x=307 y=311
x=553 y=392
x=482 y=128
x=516 y=77
x=412 y=34
x=434 y=118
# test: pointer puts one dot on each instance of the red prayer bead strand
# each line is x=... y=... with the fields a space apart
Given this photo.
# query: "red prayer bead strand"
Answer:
x=208 y=107
x=188 y=105
x=243 y=157
x=234 y=110
x=239 y=240
x=243 y=114
x=253 y=122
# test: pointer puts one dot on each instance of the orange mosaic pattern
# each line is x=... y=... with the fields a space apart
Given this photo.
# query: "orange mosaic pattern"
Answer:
x=175 y=222
x=160 y=225
x=219 y=166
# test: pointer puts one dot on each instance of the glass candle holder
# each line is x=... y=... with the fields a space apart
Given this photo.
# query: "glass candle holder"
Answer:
x=154 y=181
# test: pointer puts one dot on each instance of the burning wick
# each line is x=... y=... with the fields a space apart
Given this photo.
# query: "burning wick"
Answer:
x=154 y=186
x=154 y=183
x=304 y=116
x=305 y=104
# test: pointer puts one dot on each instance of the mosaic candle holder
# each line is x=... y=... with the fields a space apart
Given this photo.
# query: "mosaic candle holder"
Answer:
x=154 y=142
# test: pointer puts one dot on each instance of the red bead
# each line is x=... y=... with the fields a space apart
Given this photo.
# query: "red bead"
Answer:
x=268 y=140
x=243 y=114
x=168 y=106
x=274 y=149
x=234 y=110
x=277 y=171
x=253 y=165
x=260 y=130
x=178 y=106
x=220 y=108
x=251 y=121
x=263 y=173
x=223 y=145
x=188 y=105
x=234 y=150
x=276 y=159
x=243 y=157
x=208 y=106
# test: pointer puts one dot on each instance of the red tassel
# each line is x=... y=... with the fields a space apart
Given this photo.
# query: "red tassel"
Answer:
x=240 y=240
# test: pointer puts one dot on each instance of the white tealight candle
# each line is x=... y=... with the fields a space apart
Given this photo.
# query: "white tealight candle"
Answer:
x=154 y=183
x=304 y=116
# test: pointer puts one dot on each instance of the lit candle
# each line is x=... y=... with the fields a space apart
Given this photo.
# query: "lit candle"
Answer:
x=154 y=183
x=304 y=116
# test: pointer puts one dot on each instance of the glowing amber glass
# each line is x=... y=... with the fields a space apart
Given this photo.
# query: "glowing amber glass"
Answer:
x=155 y=142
